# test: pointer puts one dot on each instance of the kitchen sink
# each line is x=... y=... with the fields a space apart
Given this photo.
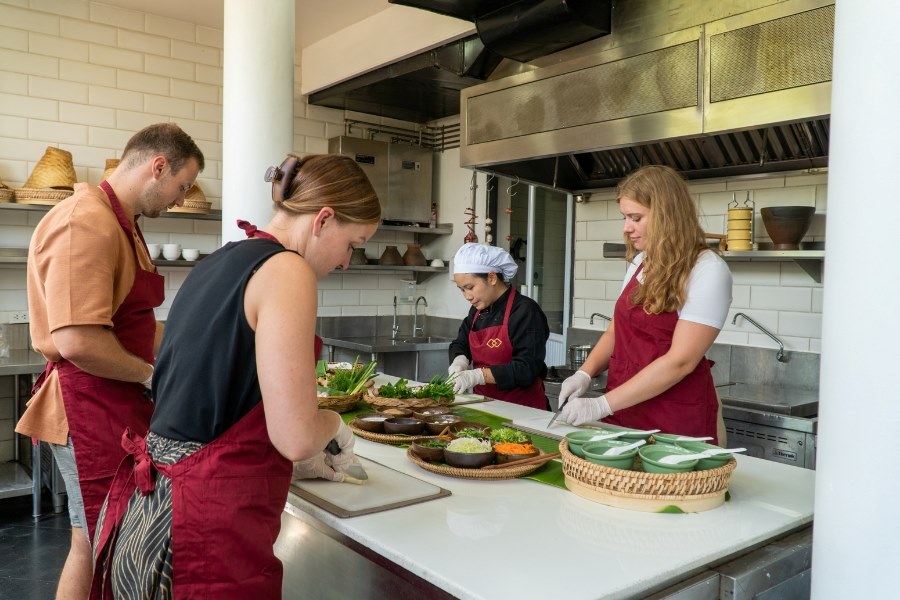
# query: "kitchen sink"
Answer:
x=428 y=339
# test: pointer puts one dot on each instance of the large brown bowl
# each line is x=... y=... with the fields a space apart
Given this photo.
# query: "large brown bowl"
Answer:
x=404 y=425
x=373 y=422
x=429 y=453
x=423 y=413
x=468 y=460
x=437 y=423
x=457 y=427
x=787 y=225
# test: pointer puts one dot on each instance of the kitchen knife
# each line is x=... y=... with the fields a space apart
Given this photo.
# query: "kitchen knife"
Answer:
x=553 y=418
x=354 y=471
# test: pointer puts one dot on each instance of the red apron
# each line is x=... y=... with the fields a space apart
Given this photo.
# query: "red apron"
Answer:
x=491 y=346
x=227 y=500
x=99 y=409
x=690 y=406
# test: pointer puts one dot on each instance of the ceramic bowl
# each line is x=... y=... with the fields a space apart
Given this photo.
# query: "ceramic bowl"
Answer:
x=171 y=251
x=630 y=435
x=468 y=460
x=666 y=438
x=190 y=253
x=154 y=250
x=399 y=412
x=373 y=422
x=422 y=413
x=404 y=425
x=505 y=457
x=787 y=225
x=432 y=453
x=457 y=427
x=437 y=423
x=650 y=456
x=577 y=439
x=704 y=464
x=593 y=452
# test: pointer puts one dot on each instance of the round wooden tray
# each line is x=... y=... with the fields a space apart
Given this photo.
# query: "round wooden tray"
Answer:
x=492 y=474
x=395 y=439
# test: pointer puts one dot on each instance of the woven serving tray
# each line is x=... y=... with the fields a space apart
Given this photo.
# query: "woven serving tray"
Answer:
x=382 y=403
x=694 y=491
x=45 y=196
x=491 y=474
x=340 y=404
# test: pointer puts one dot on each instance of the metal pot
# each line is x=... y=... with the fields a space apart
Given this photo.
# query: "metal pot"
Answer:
x=578 y=353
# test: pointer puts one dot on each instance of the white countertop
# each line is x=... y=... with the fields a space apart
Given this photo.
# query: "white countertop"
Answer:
x=523 y=539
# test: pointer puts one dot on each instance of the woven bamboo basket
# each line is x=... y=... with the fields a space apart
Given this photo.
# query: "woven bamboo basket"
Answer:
x=6 y=194
x=111 y=164
x=43 y=196
x=637 y=490
x=381 y=403
x=340 y=404
x=194 y=202
x=53 y=170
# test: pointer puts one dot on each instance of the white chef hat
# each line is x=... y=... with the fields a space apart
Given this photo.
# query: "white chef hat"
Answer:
x=479 y=258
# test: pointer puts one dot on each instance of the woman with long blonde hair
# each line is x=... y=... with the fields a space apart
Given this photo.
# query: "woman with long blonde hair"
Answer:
x=674 y=302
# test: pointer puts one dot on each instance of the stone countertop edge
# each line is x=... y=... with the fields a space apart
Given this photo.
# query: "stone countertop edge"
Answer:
x=379 y=344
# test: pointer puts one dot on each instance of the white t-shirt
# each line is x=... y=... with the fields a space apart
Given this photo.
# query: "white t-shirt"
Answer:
x=708 y=289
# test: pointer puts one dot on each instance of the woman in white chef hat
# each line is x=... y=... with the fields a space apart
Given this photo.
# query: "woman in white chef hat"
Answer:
x=500 y=348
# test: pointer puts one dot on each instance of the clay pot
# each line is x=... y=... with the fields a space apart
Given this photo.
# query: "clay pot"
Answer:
x=413 y=256
x=359 y=257
x=787 y=225
x=390 y=257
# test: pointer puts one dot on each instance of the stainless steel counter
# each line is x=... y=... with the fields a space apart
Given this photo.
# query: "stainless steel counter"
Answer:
x=779 y=399
x=22 y=362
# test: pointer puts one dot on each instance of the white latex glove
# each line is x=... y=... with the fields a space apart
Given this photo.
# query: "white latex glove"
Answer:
x=574 y=386
x=345 y=439
x=149 y=381
x=459 y=364
x=315 y=467
x=466 y=380
x=582 y=410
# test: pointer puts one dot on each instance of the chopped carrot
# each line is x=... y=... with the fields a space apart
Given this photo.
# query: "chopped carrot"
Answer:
x=512 y=448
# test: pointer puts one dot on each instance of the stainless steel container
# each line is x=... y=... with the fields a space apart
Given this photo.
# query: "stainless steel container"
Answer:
x=578 y=353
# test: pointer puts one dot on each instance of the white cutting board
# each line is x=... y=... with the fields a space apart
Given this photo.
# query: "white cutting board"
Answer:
x=385 y=488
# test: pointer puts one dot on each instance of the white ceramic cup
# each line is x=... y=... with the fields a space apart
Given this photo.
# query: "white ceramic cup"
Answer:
x=154 y=250
x=437 y=263
x=171 y=251
x=190 y=254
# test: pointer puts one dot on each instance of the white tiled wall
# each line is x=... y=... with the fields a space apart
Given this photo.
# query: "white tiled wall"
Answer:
x=780 y=296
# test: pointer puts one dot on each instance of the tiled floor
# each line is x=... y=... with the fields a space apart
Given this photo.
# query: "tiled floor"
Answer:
x=31 y=553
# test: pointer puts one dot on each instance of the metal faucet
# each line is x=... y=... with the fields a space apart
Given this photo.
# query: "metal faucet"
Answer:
x=416 y=316
x=780 y=355
x=395 y=329
x=601 y=315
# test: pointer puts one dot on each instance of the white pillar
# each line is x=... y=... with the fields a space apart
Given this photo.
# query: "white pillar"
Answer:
x=257 y=106
x=856 y=535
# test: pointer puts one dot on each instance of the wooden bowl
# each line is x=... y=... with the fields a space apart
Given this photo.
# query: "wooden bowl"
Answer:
x=468 y=460
x=429 y=453
x=398 y=412
x=373 y=422
x=456 y=427
x=423 y=413
x=437 y=423
x=503 y=457
x=404 y=425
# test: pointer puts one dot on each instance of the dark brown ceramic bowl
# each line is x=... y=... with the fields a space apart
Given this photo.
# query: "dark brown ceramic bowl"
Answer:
x=503 y=458
x=456 y=427
x=437 y=423
x=373 y=422
x=787 y=225
x=398 y=412
x=468 y=460
x=404 y=425
x=428 y=453
x=422 y=413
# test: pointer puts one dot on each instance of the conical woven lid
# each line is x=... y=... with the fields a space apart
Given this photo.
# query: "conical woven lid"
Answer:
x=195 y=194
x=54 y=170
x=111 y=164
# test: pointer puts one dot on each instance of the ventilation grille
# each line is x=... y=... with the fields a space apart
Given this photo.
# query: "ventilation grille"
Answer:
x=752 y=434
x=657 y=81
x=776 y=55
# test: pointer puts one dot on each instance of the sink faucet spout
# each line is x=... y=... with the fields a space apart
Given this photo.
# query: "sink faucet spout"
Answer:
x=416 y=328
x=780 y=355
x=395 y=329
x=601 y=315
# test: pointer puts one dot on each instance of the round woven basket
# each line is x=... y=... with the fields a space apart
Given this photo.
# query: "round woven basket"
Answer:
x=640 y=484
x=394 y=439
x=6 y=194
x=111 y=164
x=492 y=474
x=382 y=403
x=43 y=196
x=340 y=404
x=53 y=170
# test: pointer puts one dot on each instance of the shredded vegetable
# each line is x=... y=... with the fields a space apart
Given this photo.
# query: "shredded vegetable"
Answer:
x=469 y=445
x=511 y=448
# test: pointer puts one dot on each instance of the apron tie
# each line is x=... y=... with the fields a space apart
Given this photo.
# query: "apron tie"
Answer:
x=136 y=446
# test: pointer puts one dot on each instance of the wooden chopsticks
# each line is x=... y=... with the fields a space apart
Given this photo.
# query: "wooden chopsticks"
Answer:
x=534 y=460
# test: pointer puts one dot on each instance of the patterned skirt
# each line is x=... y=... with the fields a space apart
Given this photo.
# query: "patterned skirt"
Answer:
x=142 y=560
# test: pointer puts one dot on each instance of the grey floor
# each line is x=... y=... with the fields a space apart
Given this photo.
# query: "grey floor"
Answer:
x=32 y=552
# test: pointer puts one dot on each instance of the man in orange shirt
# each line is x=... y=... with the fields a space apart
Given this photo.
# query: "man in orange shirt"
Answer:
x=92 y=288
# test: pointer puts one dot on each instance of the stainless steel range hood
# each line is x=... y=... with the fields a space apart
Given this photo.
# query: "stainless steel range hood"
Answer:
x=746 y=93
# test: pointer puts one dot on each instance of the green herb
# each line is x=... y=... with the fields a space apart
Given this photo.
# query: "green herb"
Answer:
x=321 y=368
x=438 y=387
x=671 y=509
x=507 y=434
x=352 y=380
x=727 y=496
x=470 y=432
x=433 y=443
x=399 y=389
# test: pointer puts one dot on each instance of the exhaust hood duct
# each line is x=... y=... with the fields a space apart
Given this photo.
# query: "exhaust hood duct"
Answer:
x=741 y=95
x=529 y=29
